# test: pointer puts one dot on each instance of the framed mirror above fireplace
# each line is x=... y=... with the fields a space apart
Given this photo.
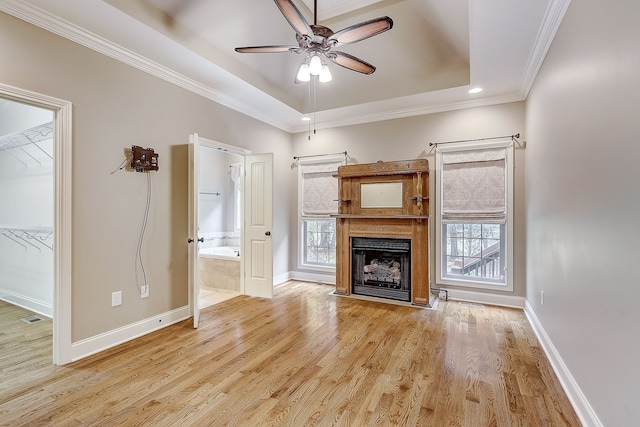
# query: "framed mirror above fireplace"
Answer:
x=381 y=195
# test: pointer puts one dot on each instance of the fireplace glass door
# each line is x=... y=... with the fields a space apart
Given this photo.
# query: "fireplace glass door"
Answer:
x=381 y=268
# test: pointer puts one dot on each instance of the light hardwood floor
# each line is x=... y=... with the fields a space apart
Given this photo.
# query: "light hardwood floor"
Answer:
x=303 y=358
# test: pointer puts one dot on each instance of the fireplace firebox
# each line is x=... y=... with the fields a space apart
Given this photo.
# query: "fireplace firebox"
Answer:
x=381 y=268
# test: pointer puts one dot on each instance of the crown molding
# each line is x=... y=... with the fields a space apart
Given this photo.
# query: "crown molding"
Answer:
x=550 y=24
x=346 y=116
x=410 y=112
x=72 y=32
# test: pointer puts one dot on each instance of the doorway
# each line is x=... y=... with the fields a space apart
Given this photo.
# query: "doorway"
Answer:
x=26 y=226
x=59 y=240
x=26 y=211
x=219 y=225
x=249 y=213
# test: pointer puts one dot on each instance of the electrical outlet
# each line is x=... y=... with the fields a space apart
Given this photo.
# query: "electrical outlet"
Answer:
x=116 y=298
x=541 y=297
x=144 y=291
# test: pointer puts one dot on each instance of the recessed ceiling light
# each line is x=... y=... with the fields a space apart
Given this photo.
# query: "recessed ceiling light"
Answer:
x=475 y=90
x=306 y=118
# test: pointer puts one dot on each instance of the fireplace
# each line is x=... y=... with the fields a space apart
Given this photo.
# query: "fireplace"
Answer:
x=382 y=231
x=381 y=268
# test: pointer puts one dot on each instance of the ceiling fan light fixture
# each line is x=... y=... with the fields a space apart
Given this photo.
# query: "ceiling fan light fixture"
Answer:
x=315 y=65
x=325 y=74
x=303 y=73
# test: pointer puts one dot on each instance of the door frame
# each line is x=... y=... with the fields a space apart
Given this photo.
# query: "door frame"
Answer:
x=195 y=143
x=62 y=213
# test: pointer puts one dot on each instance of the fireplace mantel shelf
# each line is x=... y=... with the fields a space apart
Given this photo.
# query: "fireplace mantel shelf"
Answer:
x=364 y=216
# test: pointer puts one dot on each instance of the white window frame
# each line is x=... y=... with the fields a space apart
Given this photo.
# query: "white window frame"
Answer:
x=509 y=166
x=301 y=218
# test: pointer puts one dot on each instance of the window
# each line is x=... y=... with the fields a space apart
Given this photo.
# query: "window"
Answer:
x=319 y=242
x=473 y=215
x=318 y=194
x=473 y=250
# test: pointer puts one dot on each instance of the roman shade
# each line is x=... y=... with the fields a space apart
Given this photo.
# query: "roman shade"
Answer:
x=474 y=185
x=319 y=188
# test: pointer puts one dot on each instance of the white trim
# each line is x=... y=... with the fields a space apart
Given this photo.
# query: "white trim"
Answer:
x=62 y=176
x=101 y=342
x=70 y=31
x=281 y=278
x=341 y=117
x=328 y=119
x=550 y=24
x=484 y=298
x=222 y=147
x=580 y=404
x=27 y=303
x=510 y=166
x=329 y=279
x=193 y=273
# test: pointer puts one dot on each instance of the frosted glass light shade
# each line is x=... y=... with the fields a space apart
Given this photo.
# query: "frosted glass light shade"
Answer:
x=325 y=75
x=315 y=65
x=303 y=73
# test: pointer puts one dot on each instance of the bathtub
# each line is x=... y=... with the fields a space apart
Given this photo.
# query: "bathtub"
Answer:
x=230 y=253
x=219 y=268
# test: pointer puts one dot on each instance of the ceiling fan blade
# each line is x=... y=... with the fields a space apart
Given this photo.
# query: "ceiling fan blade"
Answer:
x=294 y=17
x=361 y=31
x=266 y=49
x=351 y=62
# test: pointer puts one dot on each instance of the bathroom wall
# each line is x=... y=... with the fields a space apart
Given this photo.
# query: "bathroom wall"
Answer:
x=216 y=212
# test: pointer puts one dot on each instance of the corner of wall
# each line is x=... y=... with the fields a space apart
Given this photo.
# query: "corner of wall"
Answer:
x=582 y=407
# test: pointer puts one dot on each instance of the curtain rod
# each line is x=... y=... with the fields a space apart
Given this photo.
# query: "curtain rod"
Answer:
x=513 y=138
x=319 y=155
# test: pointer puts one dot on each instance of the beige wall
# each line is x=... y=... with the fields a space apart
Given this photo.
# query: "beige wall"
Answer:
x=409 y=138
x=583 y=202
x=116 y=106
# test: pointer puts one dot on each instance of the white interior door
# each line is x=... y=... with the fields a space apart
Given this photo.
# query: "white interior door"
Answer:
x=193 y=239
x=258 y=221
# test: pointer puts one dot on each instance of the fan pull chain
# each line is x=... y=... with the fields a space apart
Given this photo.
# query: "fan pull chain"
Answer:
x=312 y=102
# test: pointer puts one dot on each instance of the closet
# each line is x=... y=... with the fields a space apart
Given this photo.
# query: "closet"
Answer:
x=26 y=207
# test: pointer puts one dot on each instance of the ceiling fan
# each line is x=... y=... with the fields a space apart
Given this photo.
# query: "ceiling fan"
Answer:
x=318 y=41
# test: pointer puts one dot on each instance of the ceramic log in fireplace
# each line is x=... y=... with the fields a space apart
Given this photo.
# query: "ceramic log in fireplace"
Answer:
x=383 y=231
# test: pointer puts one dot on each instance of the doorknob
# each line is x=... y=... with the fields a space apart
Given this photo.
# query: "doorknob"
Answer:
x=267 y=233
x=190 y=240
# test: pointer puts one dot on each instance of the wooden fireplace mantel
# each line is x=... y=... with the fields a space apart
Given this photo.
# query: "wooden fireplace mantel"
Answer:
x=406 y=217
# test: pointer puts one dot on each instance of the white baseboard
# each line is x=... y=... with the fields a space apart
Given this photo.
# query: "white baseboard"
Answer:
x=454 y=294
x=98 y=343
x=485 y=298
x=281 y=278
x=329 y=279
x=580 y=403
x=27 y=303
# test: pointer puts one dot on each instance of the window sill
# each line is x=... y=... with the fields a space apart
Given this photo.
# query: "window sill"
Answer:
x=461 y=283
x=316 y=268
